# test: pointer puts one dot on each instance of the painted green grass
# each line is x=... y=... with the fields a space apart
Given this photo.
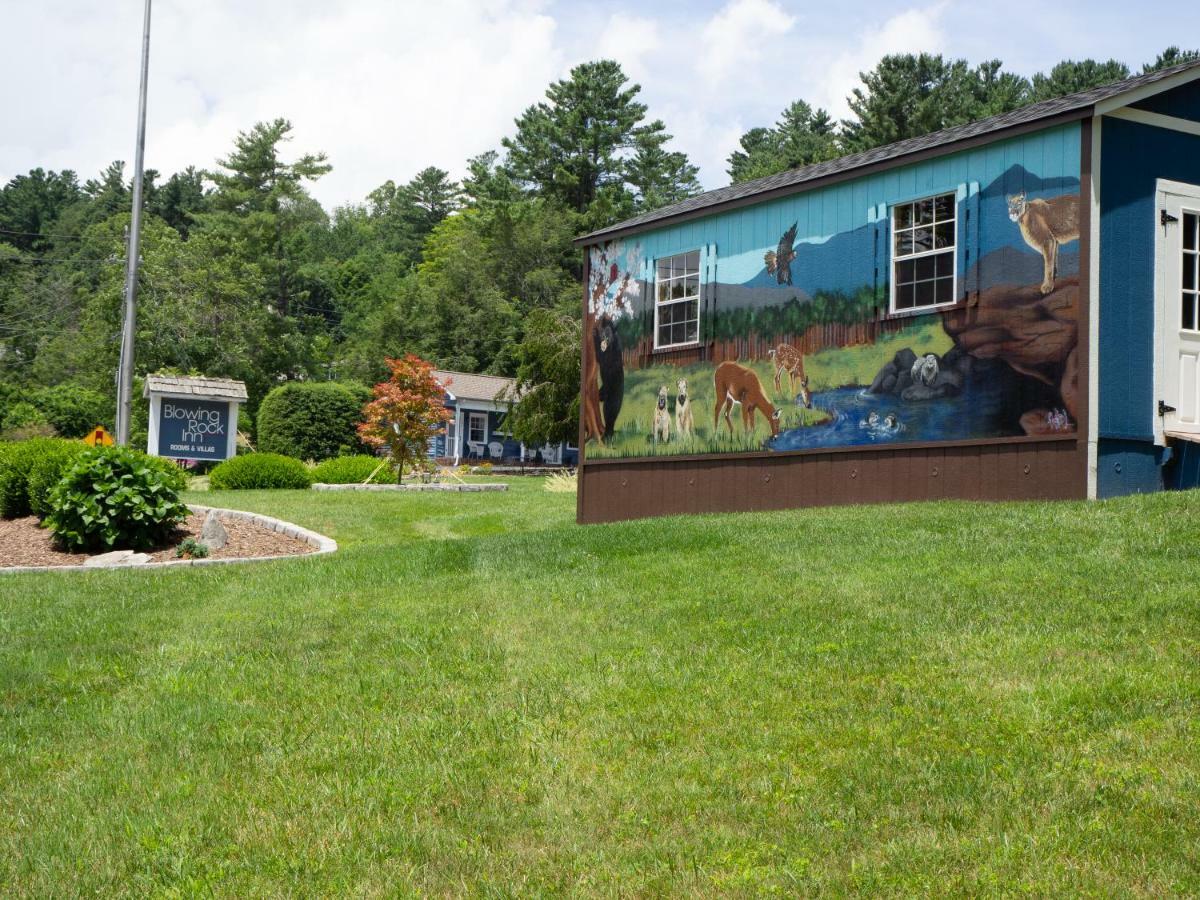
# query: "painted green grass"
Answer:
x=476 y=697
x=832 y=368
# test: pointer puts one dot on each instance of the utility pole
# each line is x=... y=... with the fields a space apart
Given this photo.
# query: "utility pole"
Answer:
x=125 y=372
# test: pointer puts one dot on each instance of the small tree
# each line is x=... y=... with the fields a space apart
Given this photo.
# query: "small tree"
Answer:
x=407 y=411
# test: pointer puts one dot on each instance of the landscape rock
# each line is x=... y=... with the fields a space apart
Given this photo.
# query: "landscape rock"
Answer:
x=117 y=558
x=213 y=534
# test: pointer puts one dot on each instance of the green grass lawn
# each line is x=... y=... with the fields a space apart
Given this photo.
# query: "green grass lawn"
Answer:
x=475 y=696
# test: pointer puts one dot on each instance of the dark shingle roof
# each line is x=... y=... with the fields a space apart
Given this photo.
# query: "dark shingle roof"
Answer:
x=1073 y=105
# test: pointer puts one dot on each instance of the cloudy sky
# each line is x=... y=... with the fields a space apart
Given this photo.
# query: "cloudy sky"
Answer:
x=386 y=87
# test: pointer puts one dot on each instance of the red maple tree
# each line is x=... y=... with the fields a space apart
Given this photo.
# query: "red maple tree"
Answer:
x=408 y=410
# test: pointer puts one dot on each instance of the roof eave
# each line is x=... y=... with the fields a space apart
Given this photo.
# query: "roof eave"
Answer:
x=955 y=146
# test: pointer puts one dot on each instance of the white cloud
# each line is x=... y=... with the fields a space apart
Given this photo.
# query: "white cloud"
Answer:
x=913 y=31
x=384 y=88
x=387 y=87
x=631 y=41
x=737 y=36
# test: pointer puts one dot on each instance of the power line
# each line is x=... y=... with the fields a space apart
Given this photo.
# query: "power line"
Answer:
x=38 y=234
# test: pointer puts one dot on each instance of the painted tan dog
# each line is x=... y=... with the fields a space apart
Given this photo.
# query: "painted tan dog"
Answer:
x=662 y=417
x=683 y=410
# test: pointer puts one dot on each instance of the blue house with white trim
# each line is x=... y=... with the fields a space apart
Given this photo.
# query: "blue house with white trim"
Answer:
x=1004 y=309
x=478 y=433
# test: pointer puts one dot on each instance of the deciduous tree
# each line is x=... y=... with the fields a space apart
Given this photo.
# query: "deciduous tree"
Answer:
x=407 y=411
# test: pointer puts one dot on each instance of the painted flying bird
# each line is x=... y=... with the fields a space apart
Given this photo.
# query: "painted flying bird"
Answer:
x=779 y=262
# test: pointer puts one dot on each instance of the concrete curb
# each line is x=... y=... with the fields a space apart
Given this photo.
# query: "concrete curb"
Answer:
x=460 y=488
x=322 y=544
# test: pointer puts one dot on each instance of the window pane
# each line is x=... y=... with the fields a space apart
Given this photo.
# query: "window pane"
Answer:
x=664 y=269
x=1189 y=311
x=1189 y=271
x=905 y=271
x=903 y=216
x=664 y=290
x=924 y=293
x=692 y=262
x=944 y=207
x=904 y=244
x=664 y=335
x=677 y=289
x=922 y=240
x=904 y=296
x=943 y=235
x=925 y=211
x=945 y=264
x=692 y=285
x=945 y=290
x=926 y=267
x=1191 y=225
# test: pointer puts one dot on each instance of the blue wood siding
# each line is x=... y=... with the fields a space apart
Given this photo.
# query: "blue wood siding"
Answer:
x=1133 y=157
x=1183 y=102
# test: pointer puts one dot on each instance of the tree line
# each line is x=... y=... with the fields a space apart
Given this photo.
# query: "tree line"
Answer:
x=245 y=275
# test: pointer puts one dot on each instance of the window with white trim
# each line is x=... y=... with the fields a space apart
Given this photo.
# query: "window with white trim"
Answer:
x=477 y=428
x=924 y=253
x=677 y=300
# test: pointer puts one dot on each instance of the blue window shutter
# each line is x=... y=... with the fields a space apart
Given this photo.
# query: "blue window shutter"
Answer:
x=968 y=240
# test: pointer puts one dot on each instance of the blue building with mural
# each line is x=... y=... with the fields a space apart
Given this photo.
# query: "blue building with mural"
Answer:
x=1003 y=309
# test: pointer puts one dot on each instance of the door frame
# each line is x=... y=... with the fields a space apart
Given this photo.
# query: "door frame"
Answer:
x=1163 y=188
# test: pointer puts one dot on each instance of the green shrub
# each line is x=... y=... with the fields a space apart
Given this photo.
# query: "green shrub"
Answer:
x=190 y=548
x=259 y=471
x=48 y=468
x=354 y=470
x=310 y=420
x=73 y=411
x=16 y=458
x=23 y=416
x=175 y=477
x=112 y=498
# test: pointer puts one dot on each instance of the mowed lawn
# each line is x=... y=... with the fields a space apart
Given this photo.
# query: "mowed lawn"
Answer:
x=475 y=696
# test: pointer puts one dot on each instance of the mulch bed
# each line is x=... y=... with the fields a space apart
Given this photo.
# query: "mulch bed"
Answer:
x=25 y=543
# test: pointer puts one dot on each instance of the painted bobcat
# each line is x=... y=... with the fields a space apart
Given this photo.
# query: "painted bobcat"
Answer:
x=1046 y=225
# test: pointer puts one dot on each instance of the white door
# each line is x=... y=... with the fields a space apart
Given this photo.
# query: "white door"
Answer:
x=1178 y=281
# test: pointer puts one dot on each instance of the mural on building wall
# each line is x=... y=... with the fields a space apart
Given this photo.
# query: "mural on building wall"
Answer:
x=795 y=346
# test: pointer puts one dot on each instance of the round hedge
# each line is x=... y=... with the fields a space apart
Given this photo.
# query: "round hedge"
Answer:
x=259 y=471
x=311 y=420
x=113 y=498
x=353 y=470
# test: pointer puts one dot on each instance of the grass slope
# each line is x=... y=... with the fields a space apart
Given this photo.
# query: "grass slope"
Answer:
x=475 y=696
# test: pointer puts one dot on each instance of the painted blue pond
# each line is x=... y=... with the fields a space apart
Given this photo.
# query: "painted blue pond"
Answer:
x=983 y=409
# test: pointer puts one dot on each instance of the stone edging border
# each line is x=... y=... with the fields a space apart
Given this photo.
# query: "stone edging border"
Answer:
x=322 y=544
x=461 y=488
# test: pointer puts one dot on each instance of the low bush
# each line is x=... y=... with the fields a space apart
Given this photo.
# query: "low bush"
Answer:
x=259 y=471
x=112 y=497
x=310 y=420
x=16 y=459
x=47 y=470
x=354 y=470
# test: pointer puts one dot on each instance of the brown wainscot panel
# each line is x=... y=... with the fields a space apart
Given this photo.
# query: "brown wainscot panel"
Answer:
x=1029 y=469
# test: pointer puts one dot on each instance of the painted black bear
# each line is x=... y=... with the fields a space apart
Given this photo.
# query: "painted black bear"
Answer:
x=612 y=371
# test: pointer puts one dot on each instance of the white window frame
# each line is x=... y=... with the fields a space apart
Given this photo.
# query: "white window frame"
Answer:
x=894 y=259
x=452 y=437
x=678 y=300
x=471 y=416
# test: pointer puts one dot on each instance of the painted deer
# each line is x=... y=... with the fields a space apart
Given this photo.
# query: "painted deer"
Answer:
x=788 y=359
x=736 y=385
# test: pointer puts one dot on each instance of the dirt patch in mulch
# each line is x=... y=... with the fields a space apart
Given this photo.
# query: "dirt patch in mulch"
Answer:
x=23 y=542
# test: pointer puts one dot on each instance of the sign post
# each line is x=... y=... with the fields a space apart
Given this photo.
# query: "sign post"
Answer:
x=193 y=418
